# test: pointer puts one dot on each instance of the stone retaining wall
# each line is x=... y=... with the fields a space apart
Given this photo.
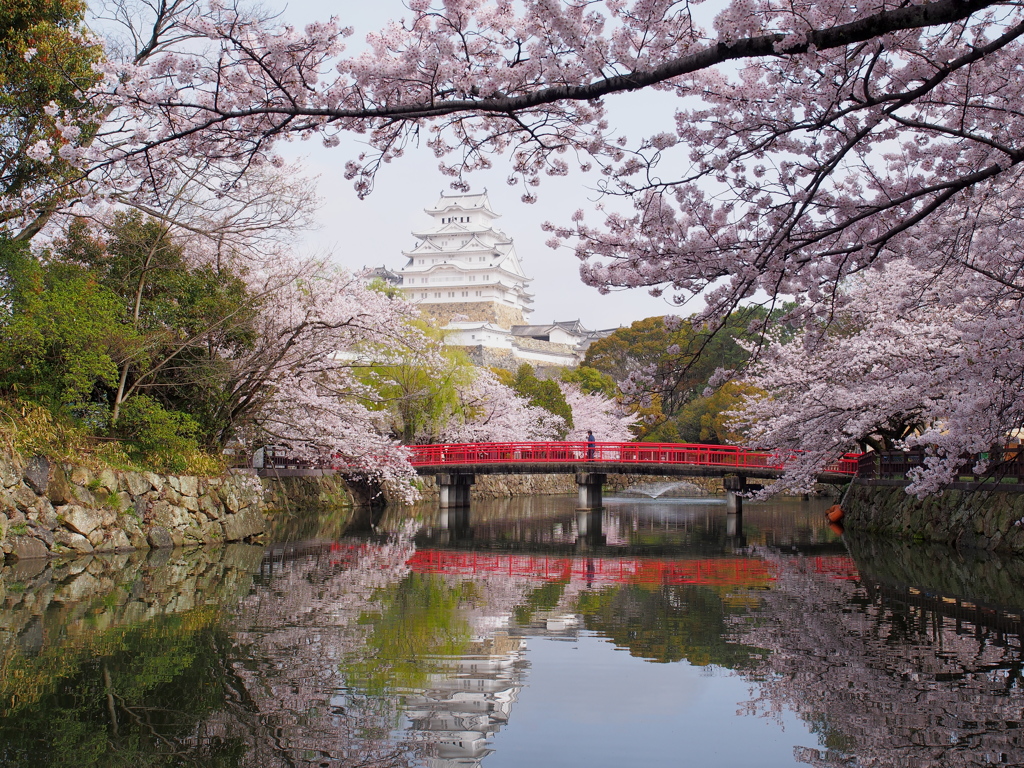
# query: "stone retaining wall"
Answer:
x=48 y=509
x=967 y=519
x=502 y=486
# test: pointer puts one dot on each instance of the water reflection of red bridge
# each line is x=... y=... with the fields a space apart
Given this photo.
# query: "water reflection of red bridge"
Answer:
x=719 y=571
x=749 y=572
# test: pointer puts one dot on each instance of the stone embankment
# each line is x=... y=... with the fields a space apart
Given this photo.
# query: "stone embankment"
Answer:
x=48 y=509
x=965 y=519
x=504 y=486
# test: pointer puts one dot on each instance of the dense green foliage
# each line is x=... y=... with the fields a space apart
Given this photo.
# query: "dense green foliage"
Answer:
x=188 y=317
x=705 y=418
x=419 y=391
x=44 y=60
x=590 y=380
x=664 y=368
x=153 y=431
x=125 y=335
x=543 y=393
x=61 y=330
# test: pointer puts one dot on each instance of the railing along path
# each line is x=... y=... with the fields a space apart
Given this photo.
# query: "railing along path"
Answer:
x=576 y=452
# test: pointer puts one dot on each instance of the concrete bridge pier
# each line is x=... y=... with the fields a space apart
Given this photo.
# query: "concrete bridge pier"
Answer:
x=734 y=523
x=454 y=489
x=589 y=484
x=734 y=485
x=589 y=528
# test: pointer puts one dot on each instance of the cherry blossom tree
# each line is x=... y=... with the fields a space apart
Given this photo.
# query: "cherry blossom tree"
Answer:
x=910 y=359
x=297 y=386
x=607 y=418
x=813 y=140
x=493 y=412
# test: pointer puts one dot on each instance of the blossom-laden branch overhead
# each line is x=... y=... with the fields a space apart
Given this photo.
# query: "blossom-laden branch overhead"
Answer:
x=831 y=136
x=813 y=142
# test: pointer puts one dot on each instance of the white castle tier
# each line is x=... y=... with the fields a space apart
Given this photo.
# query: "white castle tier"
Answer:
x=465 y=274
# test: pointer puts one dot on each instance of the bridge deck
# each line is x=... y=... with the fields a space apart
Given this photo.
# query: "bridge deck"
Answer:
x=678 y=459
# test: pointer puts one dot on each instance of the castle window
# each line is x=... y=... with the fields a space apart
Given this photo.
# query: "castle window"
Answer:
x=465 y=293
x=479 y=293
x=451 y=294
x=437 y=295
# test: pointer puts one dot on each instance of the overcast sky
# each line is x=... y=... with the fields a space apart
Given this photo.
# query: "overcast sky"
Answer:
x=375 y=231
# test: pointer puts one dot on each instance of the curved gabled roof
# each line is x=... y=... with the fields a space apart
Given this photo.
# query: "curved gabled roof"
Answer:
x=469 y=202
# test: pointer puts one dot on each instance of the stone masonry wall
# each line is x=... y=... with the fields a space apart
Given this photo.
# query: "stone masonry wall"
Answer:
x=965 y=519
x=48 y=509
x=477 y=311
x=539 y=345
x=502 y=486
x=489 y=357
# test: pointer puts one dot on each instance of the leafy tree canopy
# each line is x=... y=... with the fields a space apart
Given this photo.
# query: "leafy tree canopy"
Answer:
x=62 y=332
x=661 y=364
x=590 y=380
x=46 y=72
x=543 y=393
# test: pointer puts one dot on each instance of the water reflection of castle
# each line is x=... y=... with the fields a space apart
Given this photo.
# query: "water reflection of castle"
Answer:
x=468 y=702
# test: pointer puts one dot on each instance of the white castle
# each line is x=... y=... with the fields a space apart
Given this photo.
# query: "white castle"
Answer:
x=466 y=275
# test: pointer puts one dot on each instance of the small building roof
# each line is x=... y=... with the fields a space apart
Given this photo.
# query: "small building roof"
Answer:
x=382 y=273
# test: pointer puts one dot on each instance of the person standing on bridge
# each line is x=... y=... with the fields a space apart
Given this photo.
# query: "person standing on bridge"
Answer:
x=591 y=442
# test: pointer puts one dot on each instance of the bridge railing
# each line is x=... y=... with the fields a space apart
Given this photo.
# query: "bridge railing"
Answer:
x=571 y=452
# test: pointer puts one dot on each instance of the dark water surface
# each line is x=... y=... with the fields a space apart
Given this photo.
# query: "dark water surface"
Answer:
x=522 y=634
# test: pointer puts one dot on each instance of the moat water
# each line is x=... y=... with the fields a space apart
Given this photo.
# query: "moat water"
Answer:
x=522 y=633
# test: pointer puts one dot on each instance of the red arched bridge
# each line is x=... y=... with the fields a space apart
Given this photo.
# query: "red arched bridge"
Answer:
x=687 y=459
x=456 y=465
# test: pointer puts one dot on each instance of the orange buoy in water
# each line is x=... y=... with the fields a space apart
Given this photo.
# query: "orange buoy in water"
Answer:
x=834 y=513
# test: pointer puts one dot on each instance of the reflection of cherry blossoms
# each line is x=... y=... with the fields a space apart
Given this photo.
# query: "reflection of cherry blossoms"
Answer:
x=879 y=682
x=293 y=633
x=309 y=630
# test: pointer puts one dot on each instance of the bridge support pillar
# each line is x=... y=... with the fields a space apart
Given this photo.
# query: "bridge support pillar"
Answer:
x=734 y=486
x=589 y=528
x=734 y=523
x=589 y=484
x=454 y=489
